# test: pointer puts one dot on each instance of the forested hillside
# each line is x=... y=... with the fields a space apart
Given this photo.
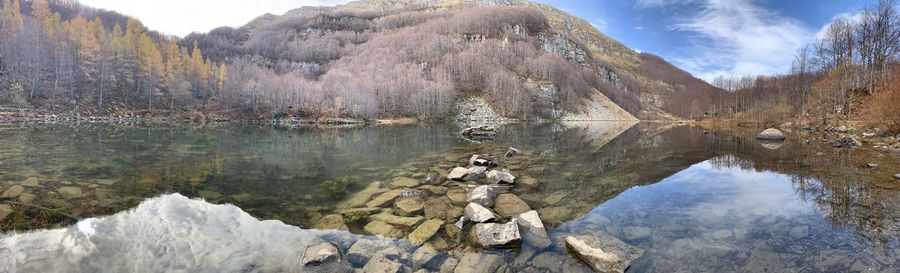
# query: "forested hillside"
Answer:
x=366 y=59
x=60 y=56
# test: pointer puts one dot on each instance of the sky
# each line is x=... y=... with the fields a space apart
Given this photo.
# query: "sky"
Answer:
x=704 y=37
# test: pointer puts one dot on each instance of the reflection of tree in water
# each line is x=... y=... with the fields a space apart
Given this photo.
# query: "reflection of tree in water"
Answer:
x=842 y=195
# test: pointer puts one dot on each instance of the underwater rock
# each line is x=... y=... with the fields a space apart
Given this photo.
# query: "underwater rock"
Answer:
x=508 y=205
x=482 y=195
x=496 y=235
x=379 y=263
x=428 y=257
x=457 y=197
x=438 y=208
x=383 y=229
x=603 y=253
x=500 y=177
x=527 y=181
x=436 y=190
x=770 y=134
x=5 y=210
x=324 y=257
x=479 y=263
x=532 y=229
x=799 y=232
x=449 y=265
x=363 y=249
x=70 y=193
x=425 y=231
x=331 y=221
x=479 y=214
x=13 y=192
x=208 y=194
x=27 y=198
x=385 y=199
x=407 y=206
x=360 y=198
x=404 y=182
x=397 y=220
x=31 y=182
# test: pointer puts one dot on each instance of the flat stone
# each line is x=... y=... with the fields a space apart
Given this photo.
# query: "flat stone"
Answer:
x=5 y=210
x=603 y=253
x=31 y=182
x=457 y=197
x=363 y=249
x=13 y=192
x=508 y=205
x=70 y=193
x=357 y=214
x=359 y=199
x=331 y=221
x=532 y=229
x=496 y=235
x=408 y=206
x=483 y=195
x=500 y=177
x=457 y=173
x=427 y=257
x=383 y=229
x=425 y=231
x=397 y=220
x=324 y=257
x=449 y=265
x=385 y=199
x=479 y=263
x=404 y=182
x=634 y=233
x=479 y=214
x=379 y=263
x=438 y=208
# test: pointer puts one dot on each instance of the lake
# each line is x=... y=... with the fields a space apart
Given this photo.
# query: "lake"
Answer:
x=251 y=198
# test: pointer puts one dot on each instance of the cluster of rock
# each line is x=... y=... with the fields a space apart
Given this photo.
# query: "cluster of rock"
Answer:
x=770 y=134
x=480 y=133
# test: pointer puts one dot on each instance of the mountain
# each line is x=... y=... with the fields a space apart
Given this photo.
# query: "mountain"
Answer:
x=432 y=58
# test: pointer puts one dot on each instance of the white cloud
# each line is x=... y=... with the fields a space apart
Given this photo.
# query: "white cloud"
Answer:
x=735 y=37
x=180 y=18
x=853 y=17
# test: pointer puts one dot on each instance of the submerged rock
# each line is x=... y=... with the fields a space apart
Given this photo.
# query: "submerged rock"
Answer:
x=363 y=249
x=332 y=221
x=603 y=253
x=425 y=231
x=385 y=199
x=408 y=206
x=323 y=257
x=439 y=208
x=70 y=193
x=479 y=214
x=512 y=152
x=496 y=235
x=5 y=210
x=13 y=192
x=532 y=229
x=379 y=263
x=508 y=205
x=384 y=229
x=482 y=195
x=500 y=177
x=479 y=263
x=847 y=141
x=770 y=134
x=397 y=220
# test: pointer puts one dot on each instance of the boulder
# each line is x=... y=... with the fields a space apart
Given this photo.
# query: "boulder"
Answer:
x=509 y=205
x=770 y=134
x=323 y=257
x=480 y=133
x=379 y=263
x=479 y=263
x=383 y=229
x=13 y=192
x=408 y=206
x=425 y=231
x=482 y=195
x=603 y=253
x=532 y=229
x=331 y=221
x=500 y=177
x=479 y=214
x=496 y=235
x=385 y=199
x=512 y=152
x=847 y=141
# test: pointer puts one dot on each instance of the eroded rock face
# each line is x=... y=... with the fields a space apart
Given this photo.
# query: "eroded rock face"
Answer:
x=323 y=257
x=496 y=235
x=483 y=195
x=532 y=229
x=603 y=253
x=479 y=214
x=770 y=134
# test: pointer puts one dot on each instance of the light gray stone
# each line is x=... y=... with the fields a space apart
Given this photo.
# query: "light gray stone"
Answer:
x=603 y=253
x=483 y=195
x=496 y=235
x=532 y=229
x=501 y=177
x=479 y=214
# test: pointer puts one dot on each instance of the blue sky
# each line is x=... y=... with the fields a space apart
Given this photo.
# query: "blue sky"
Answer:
x=714 y=37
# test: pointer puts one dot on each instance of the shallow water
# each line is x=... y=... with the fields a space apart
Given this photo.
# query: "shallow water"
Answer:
x=694 y=200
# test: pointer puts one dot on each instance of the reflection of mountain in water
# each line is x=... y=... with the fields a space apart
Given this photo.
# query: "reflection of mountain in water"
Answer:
x=170 y=233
